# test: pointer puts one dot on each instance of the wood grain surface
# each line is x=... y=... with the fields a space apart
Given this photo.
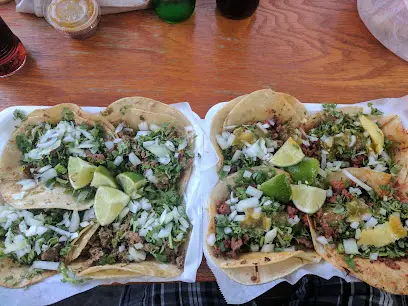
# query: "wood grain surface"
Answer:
x=318 y=51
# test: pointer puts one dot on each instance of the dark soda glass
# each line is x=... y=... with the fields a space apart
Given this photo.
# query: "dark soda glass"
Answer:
x=12 y=52
x=237 y=9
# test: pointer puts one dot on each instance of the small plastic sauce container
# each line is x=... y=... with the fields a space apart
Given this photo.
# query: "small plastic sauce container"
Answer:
x=77 y=18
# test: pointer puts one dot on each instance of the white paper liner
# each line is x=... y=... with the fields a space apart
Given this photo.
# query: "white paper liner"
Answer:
x=52 y=290
x=234 y=292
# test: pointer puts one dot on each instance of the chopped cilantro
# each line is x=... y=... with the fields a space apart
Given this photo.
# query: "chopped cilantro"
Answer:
x=19 y=114
x=350 y=262
x=374 y=111
x=67 y=114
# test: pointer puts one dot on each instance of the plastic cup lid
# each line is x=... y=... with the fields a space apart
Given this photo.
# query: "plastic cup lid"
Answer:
x=71 y=15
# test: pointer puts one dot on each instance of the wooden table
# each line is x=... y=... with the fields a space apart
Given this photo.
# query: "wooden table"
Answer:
x=314 y=50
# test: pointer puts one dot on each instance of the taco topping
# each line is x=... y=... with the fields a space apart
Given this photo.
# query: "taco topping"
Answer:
x=154 y=225
x=344 y=140
x=251 y=145
x=32 y=235
x=363 y=224
x=253 y=220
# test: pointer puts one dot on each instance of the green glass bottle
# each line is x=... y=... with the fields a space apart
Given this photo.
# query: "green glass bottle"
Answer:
x=173 y=11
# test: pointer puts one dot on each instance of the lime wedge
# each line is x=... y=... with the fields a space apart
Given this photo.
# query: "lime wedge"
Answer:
x=109 y=202
x=102 y=177
x=305 y=171
x=80 y=172
x=308 y=199
x=289 y=154
x=131 y=182
x=277 y=188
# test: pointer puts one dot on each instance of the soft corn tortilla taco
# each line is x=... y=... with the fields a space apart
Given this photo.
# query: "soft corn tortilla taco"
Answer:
x=17 y=166
x=249 y=128
x=243 y=265
x=101 y=259
x=16 y=269
x=348 y=135
x=362 y=234
x=145 y=104
x=137 y=111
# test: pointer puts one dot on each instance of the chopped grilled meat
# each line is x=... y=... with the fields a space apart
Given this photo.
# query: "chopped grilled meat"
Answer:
x=51 y=254
x=105 y=236
x=223 y=209
x=133 y=238
x=236 y=244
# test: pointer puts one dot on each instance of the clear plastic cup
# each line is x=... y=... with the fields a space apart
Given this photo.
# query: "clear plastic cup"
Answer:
x=77 y=18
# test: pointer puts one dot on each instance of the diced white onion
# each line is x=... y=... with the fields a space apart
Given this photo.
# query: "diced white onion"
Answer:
x=253 y=192
x=271 y=235
x=383 y=211
x=355 y=190
x=73 y=227
x=239 y=218
x=293 y=221
x=118 y=160
x=169 y=145
x=222 y=142
x=324 y=160
x=109 y=145
x=371 y=222
x=45 y=168
x=150 y=177
x=182 y=145
x=350 y=246
x=355 y=224
x=47 y=175
x=236 y=155
x=211 y=239
x=247 y=174
x=136 y=255
x=271 y=122
x=232 y=215
x=227 y=230
x=45 y=265
x=366 y=217
x=63 y=239
x=143 y=126
x=305 y=142
x=353 y=141
x=373 y=256
x=121 y=248
x=226 y=169
x=142 y=134
x=84 y=224
x=357 y=236
x=134 y=159
x=322 y=240
x=165 y=232
x=267 y=248
x=59 y=231
x=154 y=127
x=260 y=126
x=119 y=128
x=247 y=203
x=117 y=140
x=357 y=181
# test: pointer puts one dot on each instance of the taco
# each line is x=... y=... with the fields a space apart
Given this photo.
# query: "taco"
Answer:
x=35 y=162
x=352 y=137
x=34 y=242
x=150 y=235
x=255 y=234
x=247 y=130
x=362 y=229
x=163 y=144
